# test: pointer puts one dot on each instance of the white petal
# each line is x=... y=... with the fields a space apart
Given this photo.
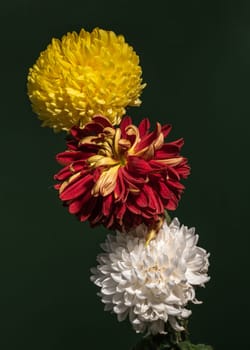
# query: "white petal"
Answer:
x=154 y=283
x=175 y=325
x=122 y=316
x=127 y=274
x=120 y=309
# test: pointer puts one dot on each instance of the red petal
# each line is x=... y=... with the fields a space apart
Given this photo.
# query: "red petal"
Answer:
x=67 y=157
x=77 y=205
x=131 y=179
x=164 y=190
x=175 y=184
x=76 y=132
x=183 y=168
x=169 y=150
x=155 y=178
x=87 y=209
x=124 y=123
x=77 y=188
x=154 y=201
x=173 y=174
x=172 y=204
x=157 y=166
x=110 y=221
x=133 y=208
x=120 y=189
x=96 y=218
x=103 y=121
x=141 y=200
x=149 y=138
x=70 y=170
x=91 y=129
x=107 y=204
x=63 y=174
x=144 y=126
x=121 y=211
x=138 y=166
x=165 y=129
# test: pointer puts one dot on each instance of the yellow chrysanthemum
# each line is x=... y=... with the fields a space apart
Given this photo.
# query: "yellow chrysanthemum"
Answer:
x=82 y=75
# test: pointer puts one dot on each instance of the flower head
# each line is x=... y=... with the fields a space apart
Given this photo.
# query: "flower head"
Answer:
x=121 y=177
x=82 y=75
x=151 y=284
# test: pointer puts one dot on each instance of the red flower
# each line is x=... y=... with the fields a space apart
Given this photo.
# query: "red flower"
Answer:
x=121 y=177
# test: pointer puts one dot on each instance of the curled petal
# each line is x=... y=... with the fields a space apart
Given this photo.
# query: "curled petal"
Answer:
x=106 y=182
x=127 y=175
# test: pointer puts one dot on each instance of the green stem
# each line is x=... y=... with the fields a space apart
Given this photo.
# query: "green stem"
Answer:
x=167 y=217
x=167 y=341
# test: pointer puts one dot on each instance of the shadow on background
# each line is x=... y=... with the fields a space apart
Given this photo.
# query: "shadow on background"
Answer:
x=195 y=57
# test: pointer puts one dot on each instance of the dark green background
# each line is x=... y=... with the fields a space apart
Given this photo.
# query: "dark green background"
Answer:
x=196 y=60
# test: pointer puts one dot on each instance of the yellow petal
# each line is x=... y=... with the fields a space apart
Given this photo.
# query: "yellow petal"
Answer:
x=116 y=142
x=70 y=179
x=106 y=182
x=83 y=75
x=171 y=161
x=99 y=160
x=151 y=235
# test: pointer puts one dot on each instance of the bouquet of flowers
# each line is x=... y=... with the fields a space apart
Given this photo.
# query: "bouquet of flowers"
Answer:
x=125 y=177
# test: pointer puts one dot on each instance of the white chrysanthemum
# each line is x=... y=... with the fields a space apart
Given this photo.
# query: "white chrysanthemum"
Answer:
x=153 y=283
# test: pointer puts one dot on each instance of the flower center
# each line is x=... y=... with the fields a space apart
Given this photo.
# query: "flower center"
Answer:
x=155 y=273
x=112 y=154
